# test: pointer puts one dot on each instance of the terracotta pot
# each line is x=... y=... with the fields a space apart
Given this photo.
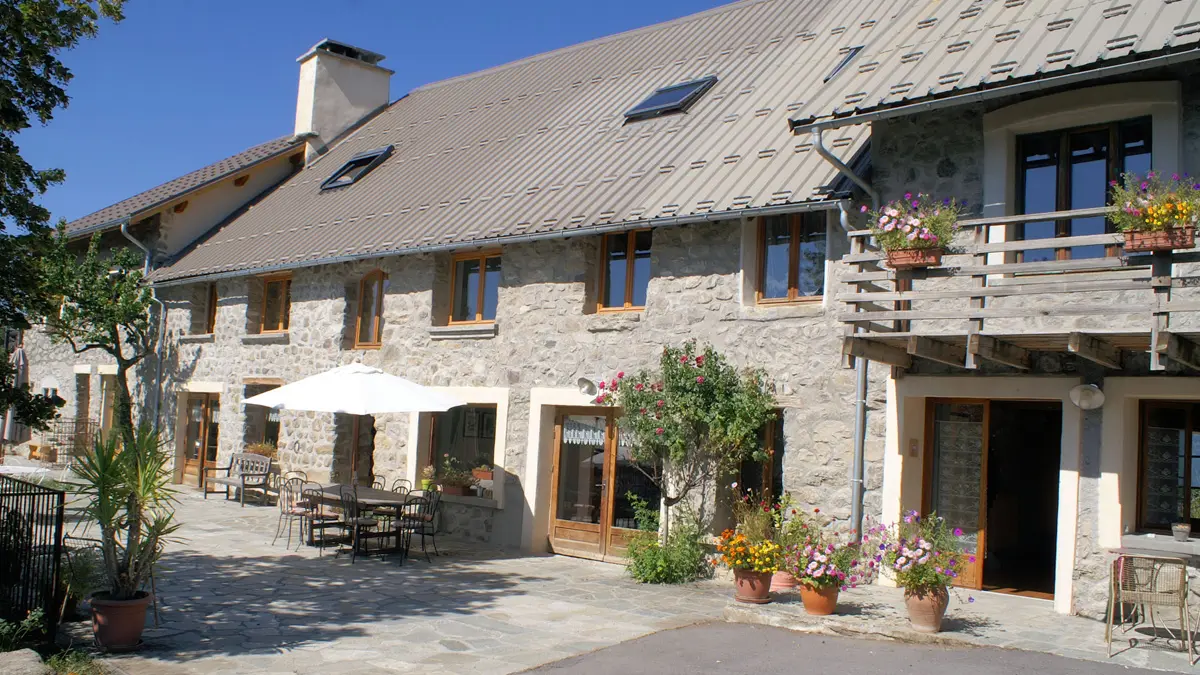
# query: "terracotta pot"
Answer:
x=456 y=490
x=926 y=610
x=912 y=258
x=1163 y=240
x=118 y=624
x=753 y=587
x=781 y=582
x=818 y=600
x=481 y=474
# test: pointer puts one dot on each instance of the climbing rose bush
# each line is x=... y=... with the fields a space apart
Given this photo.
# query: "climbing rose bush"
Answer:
x=915 y=222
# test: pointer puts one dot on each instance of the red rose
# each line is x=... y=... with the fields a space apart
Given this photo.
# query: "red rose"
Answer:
x=700 y=380
x=642 y=411
x=638 y=386
x=659 y=431
x=683 y=359
x=700 y=360
x=600 y=385
x=620 y=374
x=661 y=403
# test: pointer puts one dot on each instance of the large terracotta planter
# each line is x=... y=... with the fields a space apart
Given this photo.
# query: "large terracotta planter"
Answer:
x=926 y=610
x=782 y=582
x=912 y=258
x=818 y=600
x=752 y=587
x=1162 y=240
x=118 y=624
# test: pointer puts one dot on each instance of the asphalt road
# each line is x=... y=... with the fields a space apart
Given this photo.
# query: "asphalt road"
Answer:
x=728 y=649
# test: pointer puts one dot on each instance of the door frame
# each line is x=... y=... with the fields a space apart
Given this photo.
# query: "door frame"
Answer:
x=205 y=425
x=606 y=534
x=976 y=570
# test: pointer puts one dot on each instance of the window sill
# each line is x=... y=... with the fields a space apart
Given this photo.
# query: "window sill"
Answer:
x=782 y=310
x=472 y=501
x=469 y=331
x=1162 y=544
x=281 y=338
x=196 y=338
x=612 y=322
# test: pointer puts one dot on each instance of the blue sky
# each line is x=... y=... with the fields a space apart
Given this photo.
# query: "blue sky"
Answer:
x=183 y=83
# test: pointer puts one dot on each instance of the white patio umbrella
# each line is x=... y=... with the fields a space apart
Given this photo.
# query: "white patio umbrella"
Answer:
x=356 y=389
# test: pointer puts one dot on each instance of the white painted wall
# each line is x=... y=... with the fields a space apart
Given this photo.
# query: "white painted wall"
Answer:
x=335 y=93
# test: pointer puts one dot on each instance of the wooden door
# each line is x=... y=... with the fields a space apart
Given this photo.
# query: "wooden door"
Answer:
x=956 y=475
x=200 y=435
x=580 y=510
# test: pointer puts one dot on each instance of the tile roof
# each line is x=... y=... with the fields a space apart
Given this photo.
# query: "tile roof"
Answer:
x=947 y=48
x=110 y=216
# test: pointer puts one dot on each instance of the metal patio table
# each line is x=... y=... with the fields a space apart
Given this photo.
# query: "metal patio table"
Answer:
x=371 y=498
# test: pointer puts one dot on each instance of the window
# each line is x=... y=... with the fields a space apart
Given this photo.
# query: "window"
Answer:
x=792 y=257
x=260 y=425
x=210 y=310
x=675 y=98
x=357 y=167
x=765 y=479
x=625 y=270
x=277 y=303
x=1169 y=478
x=1071 y=169
x=475 y=281
x=368 y=329
x=847 y=56
x=467 y=435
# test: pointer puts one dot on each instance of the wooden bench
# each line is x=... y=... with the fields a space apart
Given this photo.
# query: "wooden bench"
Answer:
x=246 y=471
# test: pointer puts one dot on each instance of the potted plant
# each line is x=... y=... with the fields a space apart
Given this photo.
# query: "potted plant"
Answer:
x=823 y=568
x=1181 y=531
x=752 y=563
x=1156 y=213
x=427 y=476
x=454 y=480
x=792 y=529
x=924 y=556
x=915 y=231
x=482 y=472
x=127 y=487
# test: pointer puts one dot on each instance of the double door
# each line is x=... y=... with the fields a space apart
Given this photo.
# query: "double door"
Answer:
x=200 y=436
x=592 y=515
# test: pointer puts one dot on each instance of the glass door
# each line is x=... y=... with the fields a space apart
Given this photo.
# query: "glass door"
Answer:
x=579 y=505
x=201 y=434
x=956 y=476
x=629 y=481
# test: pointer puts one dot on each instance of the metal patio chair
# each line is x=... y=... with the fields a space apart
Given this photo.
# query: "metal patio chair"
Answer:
x=291 y=509
x=420 y=517
x=358 y=528
x=316 y=516
x=1146 y=583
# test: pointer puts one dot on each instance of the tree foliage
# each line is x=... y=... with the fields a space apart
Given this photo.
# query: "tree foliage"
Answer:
x=693 y=419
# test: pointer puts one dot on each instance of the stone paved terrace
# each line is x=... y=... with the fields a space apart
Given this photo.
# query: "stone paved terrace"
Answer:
x=232 y=603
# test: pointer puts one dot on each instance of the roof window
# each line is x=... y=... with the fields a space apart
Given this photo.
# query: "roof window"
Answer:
x=847 y=57
x=675 y=98
x=357 y=167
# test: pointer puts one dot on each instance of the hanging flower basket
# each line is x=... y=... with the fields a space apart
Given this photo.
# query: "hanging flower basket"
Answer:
x=913 y=258
x=1160 y=240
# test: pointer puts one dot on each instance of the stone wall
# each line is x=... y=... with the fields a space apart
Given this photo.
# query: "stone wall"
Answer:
x=467 y=520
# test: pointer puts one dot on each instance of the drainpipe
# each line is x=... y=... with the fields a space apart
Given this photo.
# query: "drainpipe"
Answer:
x=860 y=364
x=162 y=323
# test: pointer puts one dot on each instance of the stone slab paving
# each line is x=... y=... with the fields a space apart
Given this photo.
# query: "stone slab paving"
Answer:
x=973 y=619
x=232 y=603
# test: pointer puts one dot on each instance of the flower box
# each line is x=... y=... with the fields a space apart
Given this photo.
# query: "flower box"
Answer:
x=912 y=258
x=1160 y=240
x=455 y=490
x=482 y=474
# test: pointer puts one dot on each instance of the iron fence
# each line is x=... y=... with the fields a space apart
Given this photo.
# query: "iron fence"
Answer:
x=31 y=534
x=69 y=437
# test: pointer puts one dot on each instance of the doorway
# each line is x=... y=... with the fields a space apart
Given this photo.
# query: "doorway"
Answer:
x=993 y=471
x=591 y=513
x=201 y=435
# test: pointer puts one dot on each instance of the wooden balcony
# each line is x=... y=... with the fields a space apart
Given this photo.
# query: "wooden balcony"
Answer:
x=984 y=304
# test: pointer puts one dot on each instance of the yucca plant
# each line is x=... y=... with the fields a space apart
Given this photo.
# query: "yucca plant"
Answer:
x=130 y=497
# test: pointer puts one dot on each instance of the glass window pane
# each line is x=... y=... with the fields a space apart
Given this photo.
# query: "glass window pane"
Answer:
x=1164 y=457
x=616 y=256
x=214 y=425
x=777 y=235
x=1135 y=144
x=956 y=490
x=464 y=436
x=641 y=267
x=581 y=468
x=810 y=278
x=466 y=290
x=491 y=289
x=1089 y=186
x=629 y=478
x=275 y=309
x=1039 y=193
x=368 y=310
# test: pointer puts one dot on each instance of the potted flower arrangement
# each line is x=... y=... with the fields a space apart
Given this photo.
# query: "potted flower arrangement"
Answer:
x=924 y=556
x=792 y=529
x=823 y=568
x=127 y=487
x=1156 y=213
x=752 y=563
x=454 y=480
x=428 y=474
x=482 y=472
x=915 y=231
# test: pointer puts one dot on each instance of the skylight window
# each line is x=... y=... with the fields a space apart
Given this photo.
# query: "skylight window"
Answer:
x=357 y=167
x=847 y=57
x=675 y=98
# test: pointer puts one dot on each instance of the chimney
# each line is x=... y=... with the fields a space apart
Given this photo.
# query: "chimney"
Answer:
x=339 y=86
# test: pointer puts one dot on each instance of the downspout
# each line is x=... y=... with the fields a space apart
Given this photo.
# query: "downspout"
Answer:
x=162 y=323
x=860 y=364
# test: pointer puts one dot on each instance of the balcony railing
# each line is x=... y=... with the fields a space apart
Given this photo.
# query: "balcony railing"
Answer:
x=984 y=303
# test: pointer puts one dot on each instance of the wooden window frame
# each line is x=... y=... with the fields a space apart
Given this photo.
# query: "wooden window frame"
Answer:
x=793 y=295
x=377 y=317
x=210 y=311
x=1144 y=408
x=285 y=319
x=630 y=250
x=482 y=257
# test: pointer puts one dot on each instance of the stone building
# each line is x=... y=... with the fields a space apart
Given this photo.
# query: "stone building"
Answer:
x=512 y=234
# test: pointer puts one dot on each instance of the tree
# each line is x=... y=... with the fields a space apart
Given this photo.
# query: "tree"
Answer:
x=33 y=81
x=104 y=306
x=693 y=420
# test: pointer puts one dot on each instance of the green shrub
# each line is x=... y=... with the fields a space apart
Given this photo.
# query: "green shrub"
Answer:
x=74 y=662
x=678 y=561
x=14 y=634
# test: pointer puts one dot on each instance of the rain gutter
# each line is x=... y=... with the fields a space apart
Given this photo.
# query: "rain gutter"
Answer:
x=162 y=322
x=516 y=239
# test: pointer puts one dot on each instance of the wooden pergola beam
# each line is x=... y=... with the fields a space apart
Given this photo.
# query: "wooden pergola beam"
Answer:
x=991 y=349
x=936 y=350
x=871 y=350
x=1178 y=349
x=1094 y=349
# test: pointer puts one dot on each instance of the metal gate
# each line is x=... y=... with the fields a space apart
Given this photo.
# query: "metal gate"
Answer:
x=31 y=531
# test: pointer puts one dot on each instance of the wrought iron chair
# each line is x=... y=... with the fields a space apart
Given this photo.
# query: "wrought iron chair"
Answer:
x=401 y=483
x=295 y=473
x=316 y=516
x=358 y=528
x=390 y=513
x=412 y=522
x=291 y=509
x=379 y=483
x=1146 y=583
x=423 y=522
